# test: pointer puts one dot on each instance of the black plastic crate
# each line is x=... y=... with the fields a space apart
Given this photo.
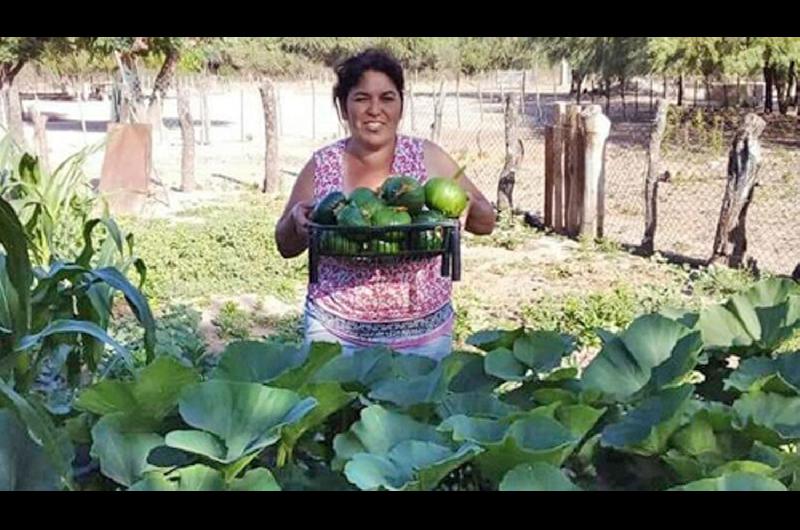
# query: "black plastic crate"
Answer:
x=387 y=243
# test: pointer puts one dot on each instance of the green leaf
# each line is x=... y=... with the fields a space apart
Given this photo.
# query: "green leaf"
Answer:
x=245 y=417
x=493 y=339
x=744 y=466
x=502 y=363
x=734 y=482
x=538 y=476
x=41 y=429
x=329 y=397
x=24 y=466
x=150 y=397
x=256 y=362
x=415 y=389
x=540 y=350
x=259 y=479
x=192 y=478
x=770 y=418
x=652 y=346
x=754 y=321
x=410 y=465
x=696 y=438
x=646 y=429
x=16 y=272
x=532 y=438
x=319 y=354
x=136 y=301
x=475 y=404
x=74 y=326
x=122 y=453
x=472 y=377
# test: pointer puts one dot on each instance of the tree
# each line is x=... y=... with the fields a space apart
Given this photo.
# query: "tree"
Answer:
x=15 y=53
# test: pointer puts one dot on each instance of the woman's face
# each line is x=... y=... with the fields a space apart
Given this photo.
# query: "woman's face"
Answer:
x=373 y=109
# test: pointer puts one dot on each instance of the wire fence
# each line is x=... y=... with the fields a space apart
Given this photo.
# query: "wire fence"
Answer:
x=229 y=121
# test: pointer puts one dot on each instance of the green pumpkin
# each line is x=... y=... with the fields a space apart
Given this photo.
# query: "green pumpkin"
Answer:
x=384 y=247
x=334 y=243
x=351 y=216
x=389 y=216
x=446 y=196
x=325 y=210
x=367 y=200
x=403 y=191
x=428 y=239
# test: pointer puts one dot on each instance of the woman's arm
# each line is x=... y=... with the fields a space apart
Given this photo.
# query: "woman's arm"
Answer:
x=291 y=231
x=480 y=212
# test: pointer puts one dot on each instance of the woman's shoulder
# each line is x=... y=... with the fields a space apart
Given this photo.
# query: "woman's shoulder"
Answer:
x=331 y=148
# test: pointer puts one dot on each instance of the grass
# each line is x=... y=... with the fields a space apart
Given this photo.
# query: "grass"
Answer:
x=220 y=250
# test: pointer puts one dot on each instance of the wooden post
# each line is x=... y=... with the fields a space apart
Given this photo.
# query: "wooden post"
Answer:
x=653 y=176
x=743 y=164
x=635 y=98
x=187 y=139
x=271 y=173
x=458 y=99
x=204 y=112
x=411 y=101
x=573 y=170
x=279 y=109
x=438 y=107
x=313 y=110
x=241 y=114
x=695 y=93
x=557 y=167
x=514 y=153
x=480 y=101
x=40 y=138
x=595 y=127
x=650 y=107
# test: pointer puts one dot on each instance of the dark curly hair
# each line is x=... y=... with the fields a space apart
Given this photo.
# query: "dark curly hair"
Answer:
x=349 y=72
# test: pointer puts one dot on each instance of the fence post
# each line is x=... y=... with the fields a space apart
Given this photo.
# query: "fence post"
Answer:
x=513 y=156
x=458 y=100
x=743 y=164
x=595 y=128
x=653 y=177
x=313 y=110
x=557 y=165
x=573 y=170
x=271 y=173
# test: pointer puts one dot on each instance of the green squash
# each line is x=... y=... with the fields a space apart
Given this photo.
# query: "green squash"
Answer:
x=334 y=243
x=403 y=191
x=325 y=210
x=367 y=200
x=351 y=216
x=446 y=196
x=428 y=239
x=391 y=216
x=384 y=247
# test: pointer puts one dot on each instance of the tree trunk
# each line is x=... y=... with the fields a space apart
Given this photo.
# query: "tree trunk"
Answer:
x=13 y=113
x=780 y=87
x=743 y=164
x=165 y=75
x=514 y=154
x=40 y=139
x=272 y=182
x=680 y=90
x=187 y=137
x=768 y=78
x=622 y=94
x=438 y=107
x=579 y=84
x=608 y=96
x=653 y=176
x=791 y=86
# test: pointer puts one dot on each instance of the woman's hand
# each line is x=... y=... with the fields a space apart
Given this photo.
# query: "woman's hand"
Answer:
x=300 y=217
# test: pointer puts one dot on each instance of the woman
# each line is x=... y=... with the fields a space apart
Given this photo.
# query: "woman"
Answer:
x=404 y=305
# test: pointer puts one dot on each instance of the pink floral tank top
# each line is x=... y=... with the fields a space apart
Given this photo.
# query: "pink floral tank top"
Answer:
x=410 y=290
